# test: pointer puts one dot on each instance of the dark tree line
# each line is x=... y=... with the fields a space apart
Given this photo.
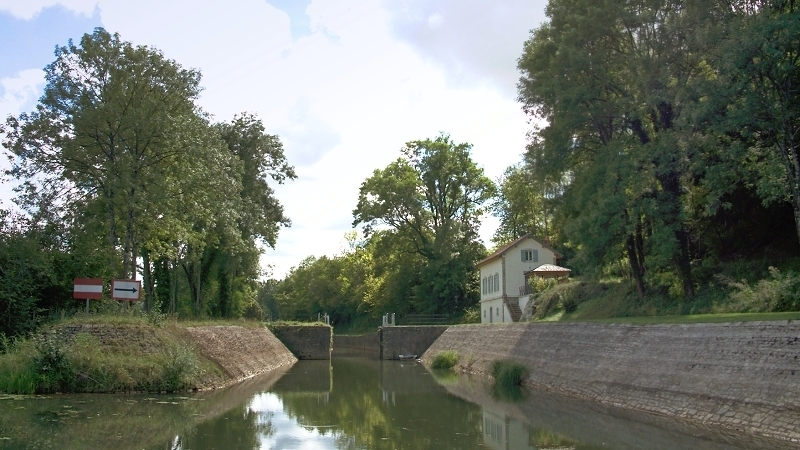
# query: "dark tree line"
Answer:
x=662 y=121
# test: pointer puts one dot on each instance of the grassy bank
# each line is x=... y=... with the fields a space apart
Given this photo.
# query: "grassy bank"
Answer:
x=106 y=354
x=741 y=291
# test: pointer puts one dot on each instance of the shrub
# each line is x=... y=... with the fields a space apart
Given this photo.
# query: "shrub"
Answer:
x=445 y=360
x=539 y=284
x=52 y=365
x=178 y=368
x=780 y=293
x=472 y=315
x=508 y=373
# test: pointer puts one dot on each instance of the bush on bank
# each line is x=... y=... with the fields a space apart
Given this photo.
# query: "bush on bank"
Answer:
x=508 y=373
x=445 y=360
x=49 y=363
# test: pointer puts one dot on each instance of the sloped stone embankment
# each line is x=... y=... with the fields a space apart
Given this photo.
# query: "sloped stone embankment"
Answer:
x=741 y=376
x=242 y=352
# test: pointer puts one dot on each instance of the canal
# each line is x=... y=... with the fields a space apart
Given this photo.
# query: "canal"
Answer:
x=346 y=403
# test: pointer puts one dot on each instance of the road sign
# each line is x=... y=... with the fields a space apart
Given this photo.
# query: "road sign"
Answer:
x=88 y=288
x=126 y=289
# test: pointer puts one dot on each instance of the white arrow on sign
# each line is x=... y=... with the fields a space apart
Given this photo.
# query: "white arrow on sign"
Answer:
x=126 y=289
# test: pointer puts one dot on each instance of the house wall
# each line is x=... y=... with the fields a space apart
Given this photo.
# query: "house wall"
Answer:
x=516 y=268
x=512 y=270
x=499 y=311
x=492 y=299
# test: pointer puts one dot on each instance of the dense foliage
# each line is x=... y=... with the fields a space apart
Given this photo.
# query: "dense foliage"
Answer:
x=669 y=127
x=122 y=173
x=664 y=146
x=420 y=218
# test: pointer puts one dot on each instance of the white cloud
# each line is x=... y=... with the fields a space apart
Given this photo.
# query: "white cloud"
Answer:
x=21 y=92
x=28 y=9
x=475 y=41
x=18 y=94
x=346 y=97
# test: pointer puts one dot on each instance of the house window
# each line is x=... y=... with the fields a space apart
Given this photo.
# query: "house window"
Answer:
x=497 y=282
x=530 y=255
x=484 y=313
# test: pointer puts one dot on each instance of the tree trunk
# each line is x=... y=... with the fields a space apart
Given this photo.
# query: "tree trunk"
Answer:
x=149 y=285
x=637 y=267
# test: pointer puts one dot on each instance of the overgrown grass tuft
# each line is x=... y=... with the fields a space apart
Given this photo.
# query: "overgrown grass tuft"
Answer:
x=147 y=359
x=17 y=375
x=508 y=373
x=445 y=360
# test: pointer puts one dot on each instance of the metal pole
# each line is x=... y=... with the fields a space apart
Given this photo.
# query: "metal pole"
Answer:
x=87 y=306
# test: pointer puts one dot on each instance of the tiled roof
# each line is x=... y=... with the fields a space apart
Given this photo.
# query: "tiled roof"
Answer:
x=550 y=268
x=497 y=253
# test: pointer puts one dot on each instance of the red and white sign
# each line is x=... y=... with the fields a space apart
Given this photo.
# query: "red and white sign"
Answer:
x=88 y=288
x=126 y=289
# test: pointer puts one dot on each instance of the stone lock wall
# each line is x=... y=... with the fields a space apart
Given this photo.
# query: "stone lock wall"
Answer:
x=408 y=340
x=306 y=341
x=242 y=352
x=742 y=376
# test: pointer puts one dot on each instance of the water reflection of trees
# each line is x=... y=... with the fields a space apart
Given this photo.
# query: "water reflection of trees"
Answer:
x=387 y=405
x=240 y=428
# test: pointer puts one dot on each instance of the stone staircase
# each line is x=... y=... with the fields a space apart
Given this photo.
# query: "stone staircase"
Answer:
x=513 y=307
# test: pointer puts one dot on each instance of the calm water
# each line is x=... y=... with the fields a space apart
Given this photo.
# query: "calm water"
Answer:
x=347 y=403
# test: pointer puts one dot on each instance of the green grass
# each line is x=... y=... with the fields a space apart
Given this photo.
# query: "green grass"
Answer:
x=508 y=373
x=147 y=359
x=735 y=291
x=445 y=360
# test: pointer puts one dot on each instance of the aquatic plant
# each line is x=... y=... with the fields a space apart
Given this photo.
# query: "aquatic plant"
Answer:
x=445 y=360
x=508 y=373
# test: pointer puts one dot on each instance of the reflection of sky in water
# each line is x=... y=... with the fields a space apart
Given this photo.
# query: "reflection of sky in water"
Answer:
x=288 y=434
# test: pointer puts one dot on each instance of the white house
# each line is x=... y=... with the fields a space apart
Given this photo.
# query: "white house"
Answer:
x=504 y=291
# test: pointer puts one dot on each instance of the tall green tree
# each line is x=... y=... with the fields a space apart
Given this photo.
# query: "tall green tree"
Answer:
x=431 y=198
x=117 y=139
x=758 y=74
x=610 y=78
x=524 y=204
x=232 y=256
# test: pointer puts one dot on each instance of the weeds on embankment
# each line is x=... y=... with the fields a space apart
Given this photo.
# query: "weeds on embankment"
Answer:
x=445 y=360
x=508 y=378
x=142 y=359
x=508 y=373
x=748 y=290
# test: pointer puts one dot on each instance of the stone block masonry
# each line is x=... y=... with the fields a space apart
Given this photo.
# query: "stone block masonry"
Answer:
x=740 y=376
x=306 y=341
x=408 y=340
x=242 y=352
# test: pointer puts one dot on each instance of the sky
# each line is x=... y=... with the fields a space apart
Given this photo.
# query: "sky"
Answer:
x=343 y=83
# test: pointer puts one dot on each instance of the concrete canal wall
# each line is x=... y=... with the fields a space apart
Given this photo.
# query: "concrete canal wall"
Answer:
x=306 y=341
x=407 y=340
x=242 y=352
x=741 y=376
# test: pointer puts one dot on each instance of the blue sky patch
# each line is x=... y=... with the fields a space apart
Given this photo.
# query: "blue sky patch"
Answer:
x=299 y=22
x=29 y=44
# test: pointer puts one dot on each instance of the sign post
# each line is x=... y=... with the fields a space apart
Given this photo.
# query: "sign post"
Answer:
x=87 y=288
x=130 y=290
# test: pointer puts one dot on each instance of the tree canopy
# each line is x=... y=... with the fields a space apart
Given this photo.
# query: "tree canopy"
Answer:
x=432 y=199
x=117 y=151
